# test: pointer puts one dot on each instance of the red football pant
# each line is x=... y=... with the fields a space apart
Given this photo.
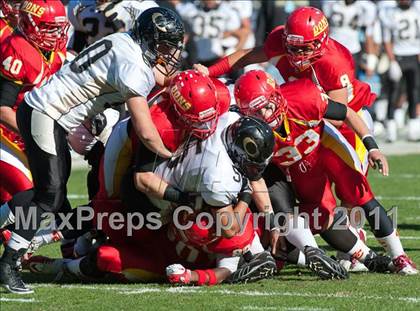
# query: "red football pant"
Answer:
x=12 y=181
x=312 y=179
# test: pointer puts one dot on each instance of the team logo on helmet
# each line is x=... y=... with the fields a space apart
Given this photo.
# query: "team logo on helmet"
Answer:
x=250 y=147
x=32 y=8
x=321 y=26
x=179 y=99
x=159 y=20
x=271 y=81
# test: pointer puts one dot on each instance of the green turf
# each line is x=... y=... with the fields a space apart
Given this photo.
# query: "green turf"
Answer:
x=293 y=289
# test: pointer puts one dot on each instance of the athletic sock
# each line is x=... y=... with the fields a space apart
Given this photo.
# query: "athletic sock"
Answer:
x=392 y=244
x=299 y=234
x=359 y=251
x=6 y=216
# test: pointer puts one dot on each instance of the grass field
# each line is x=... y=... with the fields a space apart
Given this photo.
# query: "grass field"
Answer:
x=292 y=289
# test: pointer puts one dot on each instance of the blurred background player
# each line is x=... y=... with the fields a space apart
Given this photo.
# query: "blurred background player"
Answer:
x=401 y=36
x=212 y=21
x=94 y=20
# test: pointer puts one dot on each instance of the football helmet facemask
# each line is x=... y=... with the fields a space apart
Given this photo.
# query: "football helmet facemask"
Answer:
x=44 y=23
x=195 y=101
x=250 y=142
x=306 y=36
x=257 y=95
x=160 y=33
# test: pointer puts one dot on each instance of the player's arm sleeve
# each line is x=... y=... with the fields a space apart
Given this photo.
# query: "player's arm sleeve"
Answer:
x=8 y=92
x=335 y=111
x=132 y=80
x=273 y=45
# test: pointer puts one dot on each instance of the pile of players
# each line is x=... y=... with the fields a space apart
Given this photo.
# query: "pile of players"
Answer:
x=187 y=142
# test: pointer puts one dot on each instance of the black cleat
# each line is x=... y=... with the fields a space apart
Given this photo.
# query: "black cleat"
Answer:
x=260 y=266
x=378 y=263
x=325 y=267
x=10 y=277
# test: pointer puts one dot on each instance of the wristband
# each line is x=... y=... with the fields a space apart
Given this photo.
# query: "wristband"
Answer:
x=174 y=195
x=370 y=143
x=245 y=197
x=220 y=68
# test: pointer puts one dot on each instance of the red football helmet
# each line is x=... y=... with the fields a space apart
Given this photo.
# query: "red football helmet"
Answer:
x=255 y=90
x=10 y=10
x=306 y=36
x=44 y=23
x=196 y=103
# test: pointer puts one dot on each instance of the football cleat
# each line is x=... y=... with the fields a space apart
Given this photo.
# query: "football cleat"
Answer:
x=404 y=265
x=378 y=263
x=177 y=274
x=260 y=266
x=325 y=267
x=10 y=277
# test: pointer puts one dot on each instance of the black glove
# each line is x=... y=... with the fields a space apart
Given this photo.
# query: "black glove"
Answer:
x=325 y=267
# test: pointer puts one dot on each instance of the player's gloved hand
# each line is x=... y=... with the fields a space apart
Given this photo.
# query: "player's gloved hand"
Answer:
x=395 y=72
x=201 y=68
x=378 y=160
x=177 y=274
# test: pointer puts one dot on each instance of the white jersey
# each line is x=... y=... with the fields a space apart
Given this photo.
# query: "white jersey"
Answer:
x=402 y=28
x=209 y=26
x=205 y=168
x=346 y=20
x=244 y=10
x=105 y=74
x=92 y=20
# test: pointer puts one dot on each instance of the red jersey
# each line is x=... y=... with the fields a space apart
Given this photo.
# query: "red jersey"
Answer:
x=24 y=64
x=302 y=128
x=5 y=29
x=165 y=120
x=334 y=70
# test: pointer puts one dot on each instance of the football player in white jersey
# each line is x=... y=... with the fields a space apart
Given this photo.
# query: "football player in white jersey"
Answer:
x=117 y=69
x=211 y=21
x=92 y=21
x=346 y=19
x=401 y=36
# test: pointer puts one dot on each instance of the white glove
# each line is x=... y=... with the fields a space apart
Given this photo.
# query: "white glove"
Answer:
x=371 y=61
x=395 y=72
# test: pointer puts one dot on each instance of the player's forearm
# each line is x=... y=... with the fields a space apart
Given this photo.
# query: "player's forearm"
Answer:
x=356 y=123
x=8 y=118
x=237 y=60
x=145 y=128
x=261 y=197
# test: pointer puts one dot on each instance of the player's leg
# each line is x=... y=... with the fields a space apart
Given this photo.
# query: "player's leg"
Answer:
x=411 y=70
x=47 y=151
x=352 y=186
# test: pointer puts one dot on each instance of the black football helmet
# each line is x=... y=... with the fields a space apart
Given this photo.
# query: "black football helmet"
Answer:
x=250 y=144
x=160 y=33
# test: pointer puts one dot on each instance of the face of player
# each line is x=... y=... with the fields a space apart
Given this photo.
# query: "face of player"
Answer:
x=210 y=4
x=267 y=114
x=300 y=55
x=404 y=4
x=169 y=59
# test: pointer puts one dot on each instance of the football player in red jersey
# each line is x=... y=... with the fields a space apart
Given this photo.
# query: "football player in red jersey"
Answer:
x=8 y=21
x=302 y=48
x=314 y=155
x=27 y=59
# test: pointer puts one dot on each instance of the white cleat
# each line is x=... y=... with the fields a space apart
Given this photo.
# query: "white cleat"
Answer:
x=413 y=129
x=404 y=265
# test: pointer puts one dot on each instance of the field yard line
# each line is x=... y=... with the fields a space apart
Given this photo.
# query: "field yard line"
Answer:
x=203 y=290
x=251 y=307
x=401 y=237
x=2 y=299
x=74 y=196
